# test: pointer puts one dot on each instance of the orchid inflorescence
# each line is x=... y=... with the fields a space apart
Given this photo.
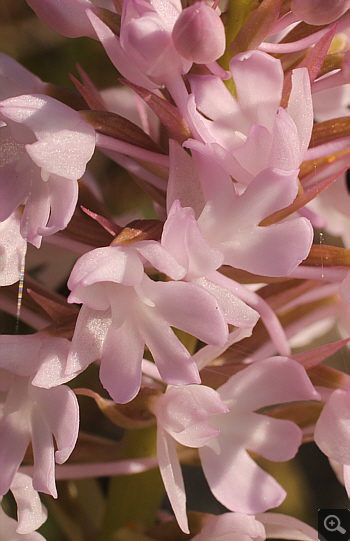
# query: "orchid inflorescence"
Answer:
x=233 y=118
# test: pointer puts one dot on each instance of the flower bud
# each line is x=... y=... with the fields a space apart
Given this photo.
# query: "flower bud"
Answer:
x=199 y=34
x=319 y=12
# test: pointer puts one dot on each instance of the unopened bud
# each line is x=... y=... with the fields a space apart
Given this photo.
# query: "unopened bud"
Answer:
x=199 y=34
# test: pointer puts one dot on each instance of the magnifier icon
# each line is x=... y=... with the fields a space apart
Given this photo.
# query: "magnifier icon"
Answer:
x=332 y=524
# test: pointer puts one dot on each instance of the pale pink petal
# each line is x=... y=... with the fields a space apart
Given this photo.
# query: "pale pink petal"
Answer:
x=258 y=144
x=170 y=355
x=61 y=410
x=30 y=511
x=65 y=17
x=238 y=526
x=271 y=251
x=43 y=450
x=280 y=526
x=19 y=354
x=87 y=343
x=332 y=429
x=236 y=312
x=120 y=371
x=14 y=438
x=254 y=70
x=274 y=439
x=116 y=54
x=14 y=188
x=272 y=381
x=226 y=466
x=161 y=259
x=190 y=308
x=65 y=141
x=170 y=470
x=184 y=411
x=300 y=106
x=223 y=108
x=107 y=264
x=286 y=144
x=184 y=240
x=8 y=528
x=13 y=248
x=52 y=363
x=16 y=80
x=36 y=212
x=63 y=197
x=222 y=190
x=318 y=12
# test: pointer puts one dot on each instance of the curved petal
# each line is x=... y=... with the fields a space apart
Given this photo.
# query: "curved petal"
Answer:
x=13 y=249
x=14 y=438
x=274 y=439
x=14 y=188
x=43 y=450
x=233 y=477
x=236 y=311
x=19 y=354
x=116 y=54
x=171 y=357
x=30 y=511
x=63 y=195
x=272 y=381
x=160 y=258
x=190 y=308
x=285 y=151
x=170 y=470
x=61 y=410
x=258 y=144
x=89 y=335
x=300 y=106
x=280 y=526
x=184 y=411
x=275 y=250
x=332 y=429
x=52 y=363
x=107 y=264
x=120 y=371
x=258 y=79
x=36 y=212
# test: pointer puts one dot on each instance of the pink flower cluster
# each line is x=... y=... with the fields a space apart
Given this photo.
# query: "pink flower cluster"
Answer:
x=191 y=315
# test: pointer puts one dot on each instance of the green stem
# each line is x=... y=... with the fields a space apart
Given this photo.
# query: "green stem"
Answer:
x=134 y=499
x=236 y=15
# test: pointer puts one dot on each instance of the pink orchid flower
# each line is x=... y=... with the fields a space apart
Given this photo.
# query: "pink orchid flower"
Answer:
x=51 y=147
x=145 y=53
x=184 y=240
x=193 y=416
x=29 y=412
x=123 y=309
x=233 y=130
x=230 y=222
